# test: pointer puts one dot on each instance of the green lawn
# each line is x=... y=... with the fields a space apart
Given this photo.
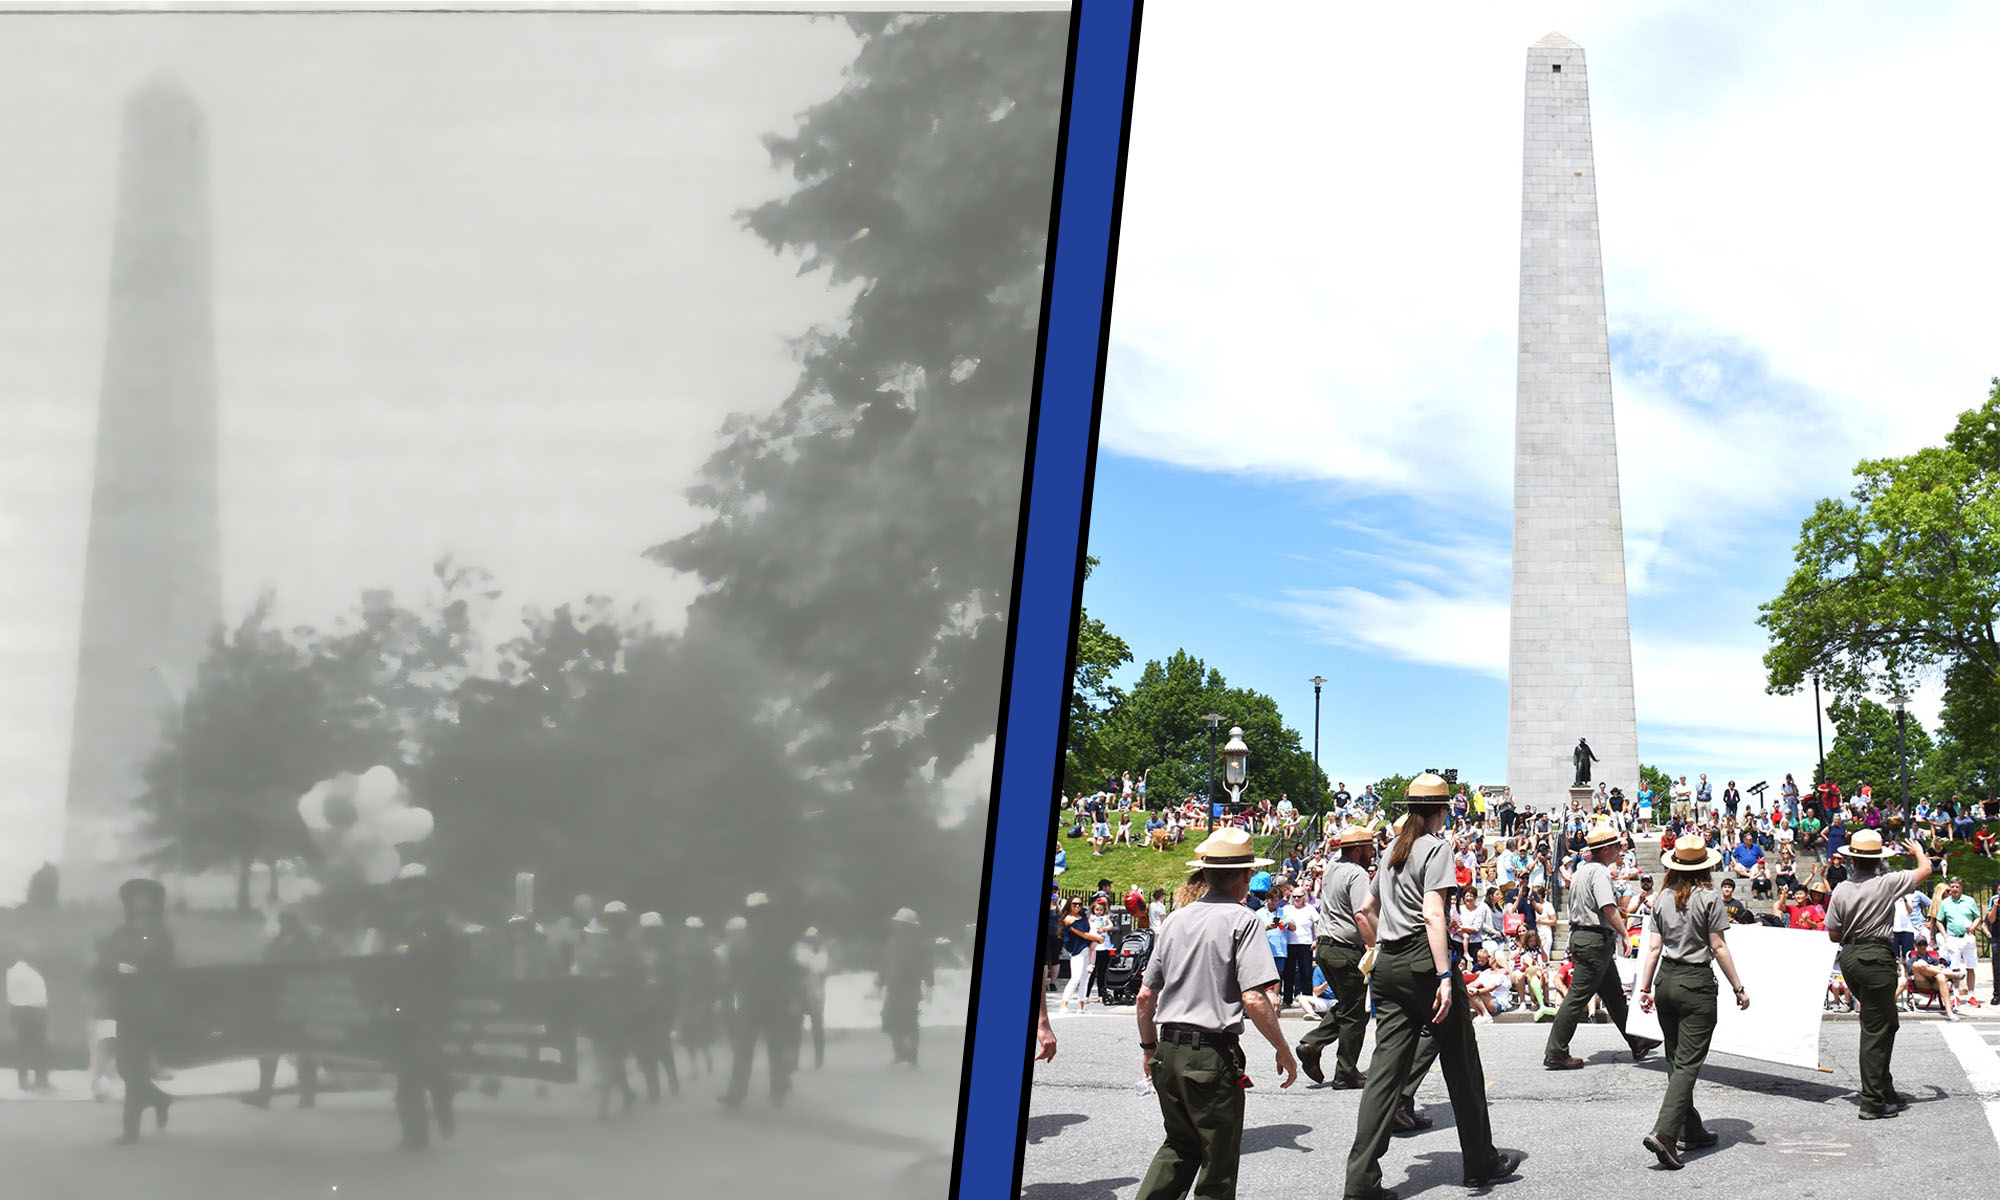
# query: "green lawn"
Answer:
x=1124 y=865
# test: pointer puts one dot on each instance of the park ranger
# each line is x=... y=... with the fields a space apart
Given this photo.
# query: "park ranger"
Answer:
x=1596 y=937
x=1420 y=996
x=1210 y=969
x=419 y=1010
x=133 y=962
x=1858 y=916
x=1347 y=929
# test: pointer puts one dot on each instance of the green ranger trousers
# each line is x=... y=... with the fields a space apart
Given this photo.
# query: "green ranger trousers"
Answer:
x=1595 y=974
x=1684 y=994
x=1202 y=1105
x=1346 y=1024
x=1405 y=985
x=1870 y=971
x=1427 y=1054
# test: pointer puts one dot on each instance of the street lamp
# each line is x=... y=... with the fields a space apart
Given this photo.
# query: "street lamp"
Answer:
x=1319 y=782
x=1902 y=703
x=1235 y=765
x=1213 y=720
x=1819 y=731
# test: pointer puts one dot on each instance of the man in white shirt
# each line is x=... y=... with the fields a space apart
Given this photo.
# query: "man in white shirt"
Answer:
x=28 y=1008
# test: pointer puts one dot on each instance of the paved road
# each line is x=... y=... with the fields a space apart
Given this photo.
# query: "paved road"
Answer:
x=883 y=1131
x=1091 y=1132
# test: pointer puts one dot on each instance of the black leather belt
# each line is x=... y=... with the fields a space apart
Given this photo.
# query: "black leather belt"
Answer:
x=1327 y=941
x=1194 y=1035
x=1576 y=929
x=1889 y=943
x=1401 y=944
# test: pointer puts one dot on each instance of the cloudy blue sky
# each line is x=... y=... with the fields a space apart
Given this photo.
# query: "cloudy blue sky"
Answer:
x=1306 y=462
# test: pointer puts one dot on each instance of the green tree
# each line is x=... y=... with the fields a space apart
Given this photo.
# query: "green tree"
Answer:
x=1099 y=654
x=1864 y=749
x=262 y=724
x=1394 y=790
x=1902 y=581
x=861 y=538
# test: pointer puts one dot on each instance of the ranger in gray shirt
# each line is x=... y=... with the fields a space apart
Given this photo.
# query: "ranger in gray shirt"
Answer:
x=1209 y=972
x=1687 y=932
x=1858 y=916
x=1346 y=930
x=1596 y=935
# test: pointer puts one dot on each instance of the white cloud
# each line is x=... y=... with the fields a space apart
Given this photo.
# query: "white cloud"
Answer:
x=1319 y=257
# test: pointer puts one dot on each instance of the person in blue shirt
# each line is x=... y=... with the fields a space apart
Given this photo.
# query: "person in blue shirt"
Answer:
x=1154 y=825
x=1747 y=858
x=1836 y=837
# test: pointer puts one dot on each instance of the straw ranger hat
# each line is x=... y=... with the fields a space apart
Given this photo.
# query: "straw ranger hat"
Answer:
x=651 y=920
x=1690 y=853
x=1357 y=835
x=1866 y=843
x=1428 y=789
x=693 y=922
x=905 y=916
x=1601 y=835
x=1228 y=849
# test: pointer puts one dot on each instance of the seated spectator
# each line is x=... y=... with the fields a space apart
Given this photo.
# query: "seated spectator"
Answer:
x=1961 y=825
x=1837 y=994
x=1800 y=912
x=1156 y=832
x=1490 y=990
x=1982 y=841
x=1739 y=913
x=1935 y=970
x=1124 y=829
x=1319 y=1001
x=1531 y=975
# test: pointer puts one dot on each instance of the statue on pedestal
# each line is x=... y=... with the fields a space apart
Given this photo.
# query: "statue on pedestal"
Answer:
x=1582 y=757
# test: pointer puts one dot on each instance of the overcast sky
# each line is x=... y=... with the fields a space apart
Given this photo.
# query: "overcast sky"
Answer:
x=1313 y=353
x=479 y=288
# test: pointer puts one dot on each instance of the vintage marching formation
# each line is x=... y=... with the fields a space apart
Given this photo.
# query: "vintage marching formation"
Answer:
x=442 y=1006
x=1389 y=938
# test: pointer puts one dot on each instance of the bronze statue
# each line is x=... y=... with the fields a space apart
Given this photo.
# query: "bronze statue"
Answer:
x=1582 y=758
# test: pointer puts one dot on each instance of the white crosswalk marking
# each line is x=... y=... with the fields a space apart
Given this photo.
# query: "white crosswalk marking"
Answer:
x=1982 y=1066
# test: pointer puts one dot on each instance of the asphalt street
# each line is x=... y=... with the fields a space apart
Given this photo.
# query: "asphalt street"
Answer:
x=882 y=1131
x=1092 y=1130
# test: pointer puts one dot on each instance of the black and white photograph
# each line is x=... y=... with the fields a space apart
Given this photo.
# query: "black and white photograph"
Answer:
x=508 y=525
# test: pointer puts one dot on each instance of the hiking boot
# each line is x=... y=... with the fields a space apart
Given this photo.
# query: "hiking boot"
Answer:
x=1309 y=1063
x=1664 y=1150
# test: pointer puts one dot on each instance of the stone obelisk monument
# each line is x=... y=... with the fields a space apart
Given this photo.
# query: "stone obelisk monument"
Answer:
x=152 y=575
x=1569 y=669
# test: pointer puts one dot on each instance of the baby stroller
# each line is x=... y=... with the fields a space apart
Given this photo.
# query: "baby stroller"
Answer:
x=1127 y=967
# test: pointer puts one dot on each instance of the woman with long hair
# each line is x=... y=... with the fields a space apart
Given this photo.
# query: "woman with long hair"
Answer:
x=1080 y=944
x=1418 y=993
x=1687 y=934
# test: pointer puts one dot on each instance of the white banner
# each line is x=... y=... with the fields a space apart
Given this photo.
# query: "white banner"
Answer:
x=1786 y=972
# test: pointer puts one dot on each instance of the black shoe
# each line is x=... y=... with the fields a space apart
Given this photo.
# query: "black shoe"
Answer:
x=1699 y=1140
x=1349 y=1082
x=1309 y=1063
x=1505 y=1163
x=729 y=1100
x=1563 y=1064
x=1664 y=1150
x=1377 y=1194
x=1643 y=1047
x=1881 y=1115
x=1408 y=1120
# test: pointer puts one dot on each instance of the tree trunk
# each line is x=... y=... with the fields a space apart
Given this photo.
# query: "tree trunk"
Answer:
x=272 y=866
x=243 y=884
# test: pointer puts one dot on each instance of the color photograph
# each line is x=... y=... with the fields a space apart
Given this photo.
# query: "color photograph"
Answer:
x=1531 y=722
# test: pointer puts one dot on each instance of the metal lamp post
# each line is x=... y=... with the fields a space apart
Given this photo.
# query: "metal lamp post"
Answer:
x=1902 y=703
x=1212 y=720
x=1319 y=781
x=1235 y=765
x=1819 y=730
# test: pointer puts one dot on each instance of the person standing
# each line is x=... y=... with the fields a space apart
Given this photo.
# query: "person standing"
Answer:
x=905 y=979
x=1689 y=922
x=1301 y=921
x=132 y=962
x=424 y=941
x=28 y=1012
x=1208 y=974
x=1419 y=996
x=814 y=966
x=659 y=1006
x=1858 y=918
x=1956 y=917
x=610 y=955
x=1596 y=937
x=294 y=942
x=764 y=978
x=1346 y=931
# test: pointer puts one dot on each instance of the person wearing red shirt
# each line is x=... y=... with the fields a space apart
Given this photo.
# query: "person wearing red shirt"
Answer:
x=1802 y=913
